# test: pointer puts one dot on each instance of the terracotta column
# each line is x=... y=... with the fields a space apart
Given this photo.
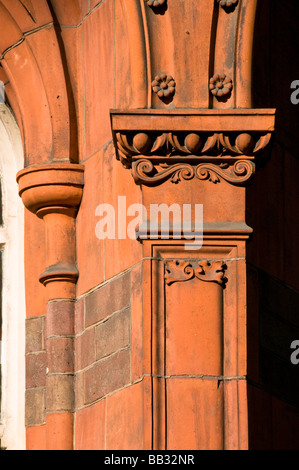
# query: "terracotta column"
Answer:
x=53 y=192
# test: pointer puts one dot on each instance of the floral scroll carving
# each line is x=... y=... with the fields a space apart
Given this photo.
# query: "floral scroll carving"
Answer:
x=208 y=271
x=144 y=172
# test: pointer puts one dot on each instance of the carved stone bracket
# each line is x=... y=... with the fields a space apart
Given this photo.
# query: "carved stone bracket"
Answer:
x=209 y=145
x=208 y=271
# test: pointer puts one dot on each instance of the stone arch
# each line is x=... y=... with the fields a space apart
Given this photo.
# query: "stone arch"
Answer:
x=31 y=59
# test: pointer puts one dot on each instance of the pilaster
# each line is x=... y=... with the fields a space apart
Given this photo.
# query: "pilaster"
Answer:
x=194 y=283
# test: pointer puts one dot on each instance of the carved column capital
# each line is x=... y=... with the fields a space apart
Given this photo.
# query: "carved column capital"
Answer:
x=53 y=193
x=212 y=145
x=44 y=187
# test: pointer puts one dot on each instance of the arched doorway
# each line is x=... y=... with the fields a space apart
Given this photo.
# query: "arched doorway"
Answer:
x=12 y=423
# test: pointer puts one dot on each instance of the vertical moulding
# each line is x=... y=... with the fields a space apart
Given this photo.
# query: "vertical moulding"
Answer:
x=187 y=348
x=224 y=61
x=198 y=338
x=244 y=50
x=134 y=18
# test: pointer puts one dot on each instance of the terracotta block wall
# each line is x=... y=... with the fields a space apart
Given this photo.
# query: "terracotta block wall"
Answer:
x=107 y=344
x=272 y=208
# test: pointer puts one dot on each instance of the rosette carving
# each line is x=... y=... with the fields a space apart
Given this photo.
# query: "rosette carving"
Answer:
x=155 y=3
x=164 y=85
x=207 y=271
x=220 y=85
x=228 y=4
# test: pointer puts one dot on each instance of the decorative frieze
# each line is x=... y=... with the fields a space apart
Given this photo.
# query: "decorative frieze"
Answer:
x=173 y=145
x=208 y=271
x=212 y=145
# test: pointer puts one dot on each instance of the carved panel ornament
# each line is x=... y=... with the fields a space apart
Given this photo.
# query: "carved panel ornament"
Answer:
x=208 y=271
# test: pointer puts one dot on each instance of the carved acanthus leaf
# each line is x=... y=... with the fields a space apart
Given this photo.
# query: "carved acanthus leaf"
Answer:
x=178 y=271
x=211 y=271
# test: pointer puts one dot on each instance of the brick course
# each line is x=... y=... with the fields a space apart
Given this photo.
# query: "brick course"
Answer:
x=36 y=370
x=107 y=375
x=35 y=334
x=36 y=363
x=113 y=334
x=35 y=407
x=107 y=299
x=60 y=393
x=60 y=318
x=60 y=355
